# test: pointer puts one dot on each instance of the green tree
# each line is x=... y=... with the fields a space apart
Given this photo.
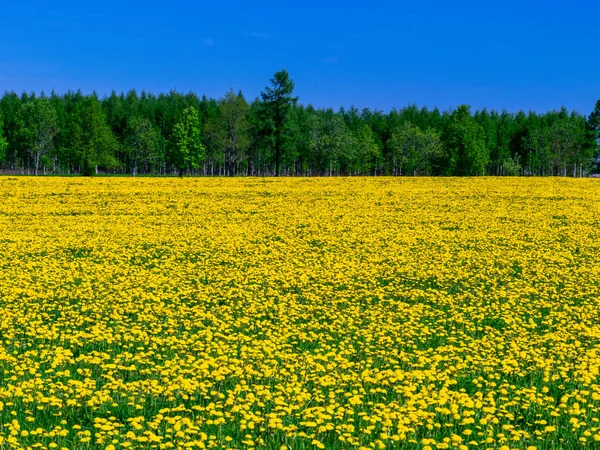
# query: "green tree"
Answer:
x=115 y=109
x=566 y=139
x=330 y=142
x=260 y=139
x=9 y=106
x=188 y=149
x=132 y=133
x=214 y=157
x=536 y=144
x=278 y=101
x=592 y=135
x=141 y=143
x=465 y=144
x=366 y=151
x=229 y=129
x=413 y=150
x=37 y=127
x=501 y=160
x=91 y=140
x=169 y=110
x=58 y=152
x=3 y=141
x=516 y=142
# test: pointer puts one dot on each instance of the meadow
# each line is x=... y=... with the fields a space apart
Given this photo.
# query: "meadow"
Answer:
x=343 y=313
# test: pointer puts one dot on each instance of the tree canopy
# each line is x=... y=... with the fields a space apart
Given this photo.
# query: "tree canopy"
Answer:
x=176 y=133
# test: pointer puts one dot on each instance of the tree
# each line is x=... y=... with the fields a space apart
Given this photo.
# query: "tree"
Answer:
x=188 y=149
x=273 y=135
x=593 y=124
x=228 y=130
x=169 y=111
x=501 y=160
x=465 y=144
x=516 y=142
x=214 y=156
x=260 y=139
x=366 y=151
x=278 y=101
x=91 y=140
x=9 y=107
x=537 y=146
x=141 y=143
x=58 y=152
x=413 y=150
x=592 y=135
x=3 y=141
x=566 y=138
x=37 y=127
x=115 y=109
x=330 y=142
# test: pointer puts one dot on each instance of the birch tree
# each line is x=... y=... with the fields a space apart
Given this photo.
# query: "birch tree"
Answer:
x=37 y=127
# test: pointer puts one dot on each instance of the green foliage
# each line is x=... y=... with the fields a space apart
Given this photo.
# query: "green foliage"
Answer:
x=593 y=124
x=555 y=144
x=187 y=141
x=3 y=141
x=511 y=166
x=142 y=143
x=592 y=136
x=565 y=138
x=414 y=151
x=330 y=143
x=9 y=106
x=367 y=151
x=36 y=129
x=466 y=151
x=278 y=102
x=228 y=130
x=92 y=142
x=175 y=133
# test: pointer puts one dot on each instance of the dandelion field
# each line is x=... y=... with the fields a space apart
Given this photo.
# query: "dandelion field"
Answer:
x=346 y=313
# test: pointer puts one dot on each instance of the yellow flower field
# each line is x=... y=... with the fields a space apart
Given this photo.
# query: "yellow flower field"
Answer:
x=299 y=313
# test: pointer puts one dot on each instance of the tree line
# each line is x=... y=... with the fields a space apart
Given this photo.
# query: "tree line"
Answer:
x=183 y=134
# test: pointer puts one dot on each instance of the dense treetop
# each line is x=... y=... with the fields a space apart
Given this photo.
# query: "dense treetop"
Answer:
x=184 y=134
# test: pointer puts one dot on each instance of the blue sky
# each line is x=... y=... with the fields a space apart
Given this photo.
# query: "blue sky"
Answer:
x=530 y=55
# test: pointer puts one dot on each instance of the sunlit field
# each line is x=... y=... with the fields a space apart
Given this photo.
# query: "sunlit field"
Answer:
x=299 y=313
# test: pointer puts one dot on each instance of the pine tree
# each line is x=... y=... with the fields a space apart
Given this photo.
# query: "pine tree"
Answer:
x=278 y=101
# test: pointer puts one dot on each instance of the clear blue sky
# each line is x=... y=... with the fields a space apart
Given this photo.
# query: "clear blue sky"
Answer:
x=531 y=55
